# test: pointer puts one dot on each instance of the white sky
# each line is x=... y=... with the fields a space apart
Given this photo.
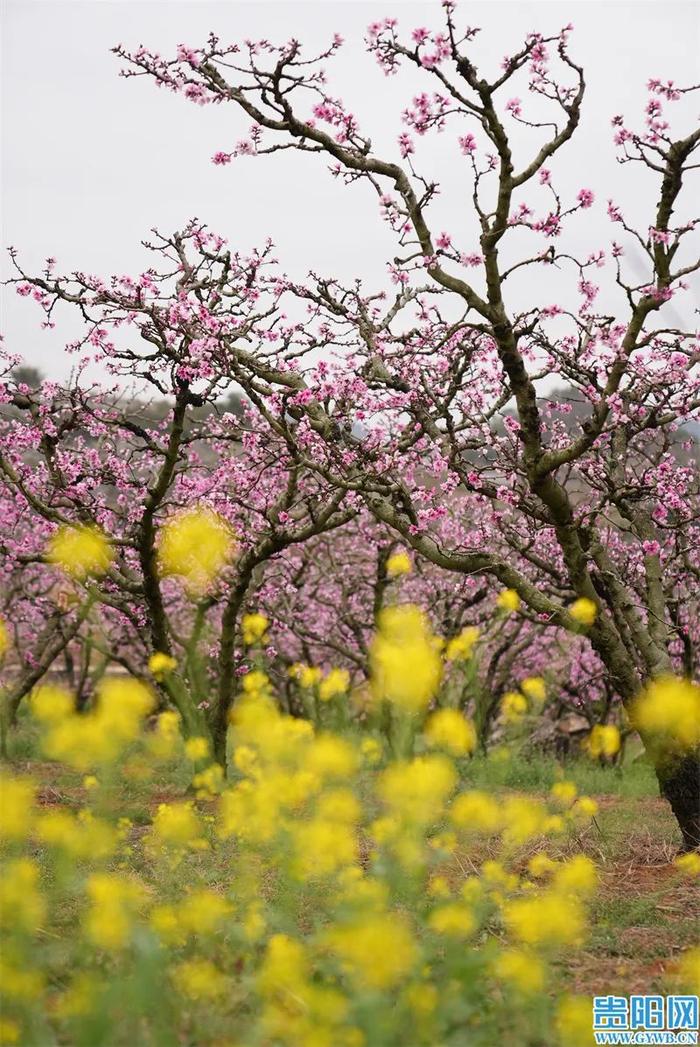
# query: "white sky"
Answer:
x=90 y=162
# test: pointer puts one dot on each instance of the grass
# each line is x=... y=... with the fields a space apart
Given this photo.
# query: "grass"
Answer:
x=539 y=773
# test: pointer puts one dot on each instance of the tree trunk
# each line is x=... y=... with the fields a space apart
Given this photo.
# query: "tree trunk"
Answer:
x=679 y=780
x=219 y=730
x=678 y=775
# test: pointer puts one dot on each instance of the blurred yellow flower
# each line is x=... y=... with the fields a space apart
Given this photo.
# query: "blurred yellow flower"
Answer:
x=455 y=920
x=548 y=919
x=513 y=706
x=177 y=825
x=585 y=807
x=203 y=911
x=688 y=971
x=417 y=789
x=564 y=793
x=398 y=564
x=254 y=627
x=16 y=807
x=460 y=647
x=534 y=688
x=577 y=876
x=689 y=864
x=195 y=545
x=476 y=812
x=336 y=682
x=541 y=865
x=448 y=729
x=51 y=704
x=404 y=660
x=574 y=1021
x=10 y=1031
x=79 y=551
x=521 y=970
x=199 y=980
x=159 y=664
x=197 y=748
x=307 y=675
x=376 y=952
x=4 y=638
x=508 y=600
x=669 y=709
x=583 y=611
x=114 y=901
x=604 y=740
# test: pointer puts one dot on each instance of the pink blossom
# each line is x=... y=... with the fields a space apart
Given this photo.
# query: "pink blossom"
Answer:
x=467 y=143
x=406 y=145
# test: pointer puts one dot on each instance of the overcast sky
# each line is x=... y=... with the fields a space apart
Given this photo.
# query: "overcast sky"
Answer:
x=90 y=162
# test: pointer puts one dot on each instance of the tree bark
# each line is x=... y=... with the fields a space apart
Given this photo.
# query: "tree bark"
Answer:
x=679 y=781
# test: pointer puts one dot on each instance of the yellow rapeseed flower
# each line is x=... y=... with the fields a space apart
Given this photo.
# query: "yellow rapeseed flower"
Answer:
x=476 y=812
x=521 y=970
x=688 y=971
x=419 y=788
x=460 y=647
x=406 y=667
x=113 y=904
x=584 y=611
x=101 y=735
x=371 y=749
x=307 y=675
x=322 y=847
x=376 y=952
x=336 y=682
x=78 y=998
x=159 y=664
x=50 y=704
x=564 y=793
x=203 y=911
x=177 y=825
x=197 y=748
x=284 y=968
x=546 y=919
x=577 y=876
x=16 y=807
x=585 y=807
x=523 y=818
x=199 y=980
x=80 y=551
x=398 y=564
x=508 y=600
x=448 y=729
x=4 y=638
x=195 y=545
x=541 y=865
x=330 y=756
x=454 y=920
x=574 y=1021
x=604 y=740
x=534 y=688
x=10 y=1031
x=20 y=982
x=669 y=709
x=689 y=864
x=254 y=627
x=513 y=706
